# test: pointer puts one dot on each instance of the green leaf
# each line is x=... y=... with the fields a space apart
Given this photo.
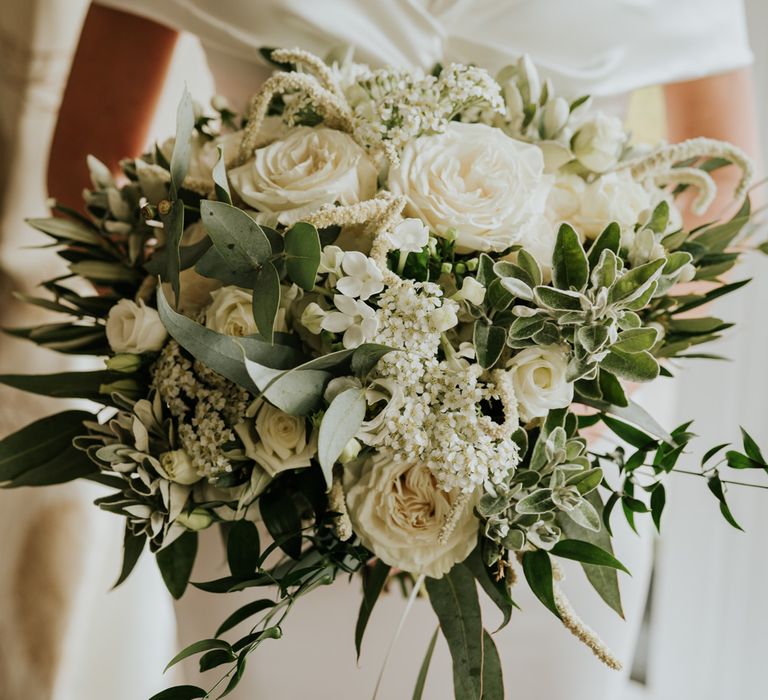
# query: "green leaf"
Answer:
x=282 y=518
x=243 y=613
x=64 y=385
x=586 y=481
x=712 y=452
x=374 y=580
x=634 y=367
x=586 y=553
x=540 y=501
x=716 y=487
x=634 y=436
x=66 y=230
x=585 y=515
x=188 y=256
x=221 y=184
x=493 y=676
x=659 y=218
x=751 y=448
x=658 y=501
x=40 y=451
x=173 y=225
x=570 y=269
x=366 y=356
x=609 y=239
x=175 y=562
x=237 y=238
x=538 y=572
x=636 y=340
x=180 y=692
x=298 y=392
x=455 y=602
x=421 y=679
x=302 y=251
x=182 y=146
x=530 y=266
x=133 y=546
x=611 y=388
x=497 y=591
x=603 y=579
x=216 y=657
x=557 y=299
x=489 y=342
x=243 y=548
x=607 y=269
x=266 y=300
x=340 y=424
x=197 y=648
x=635 y=282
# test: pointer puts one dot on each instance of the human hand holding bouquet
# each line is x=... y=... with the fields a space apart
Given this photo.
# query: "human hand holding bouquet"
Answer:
x=363 y=316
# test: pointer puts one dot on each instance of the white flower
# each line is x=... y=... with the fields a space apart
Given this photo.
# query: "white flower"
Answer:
x=306 y=169
x=135 y=328
x=330 y=260
x=312 y=317
x=538 y=376
x=409 y=236
x=354 y=318
x=539 y=241
x=398 y=510
x=445 y=317
x=471 y=291
x=362 y=278
x=555 y=116
x=276 y=440
x=475 y=180
x=350 y=452
x=176 y=466
x=231 y=312
x=611 y=197
x=599 y=142
x=204 y=153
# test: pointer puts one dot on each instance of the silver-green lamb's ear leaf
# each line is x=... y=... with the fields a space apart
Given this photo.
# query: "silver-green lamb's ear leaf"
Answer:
x=605 y=272
x=237 y=238
x=675 y=261
x=570 y=269
x=302 y=254
x=659 y=218
x=173 y=225
x=540 y=501
x=531 y=266
x=340 y=424
x=266 y=300
x=636 y=340
x=220 y=178
x=557 y=299
x=609 y=239
x=632 y=285
x=489 y=343
x=634 y=367
x=592 y=338
x=585 y=515
x=526 y=327
x=182 y=145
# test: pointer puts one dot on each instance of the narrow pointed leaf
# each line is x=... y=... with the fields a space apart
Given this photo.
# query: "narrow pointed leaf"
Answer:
x=373 y=584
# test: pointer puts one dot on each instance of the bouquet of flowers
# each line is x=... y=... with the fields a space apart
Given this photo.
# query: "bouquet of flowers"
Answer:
x=375 y=316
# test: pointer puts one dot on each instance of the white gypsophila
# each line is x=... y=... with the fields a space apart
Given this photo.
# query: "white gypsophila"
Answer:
x=231 y=312
x=409 y=236
x=590 y=207
x=599 y=142
x=362 y=276
x=276 y=440
x=134 y=328
x=354 y=318
x=308 y=168
x=472 y=181
x=398 y=512
x=539 y=377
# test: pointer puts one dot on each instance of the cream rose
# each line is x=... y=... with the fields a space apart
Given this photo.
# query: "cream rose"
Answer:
x=590 y=207
x=398 y=510
x=310 y=167
x=599 y=142
x=475 y=180
x=231 y=312
x=276 y=440
x=177 y=466
x=135 y=328
x=539 y=378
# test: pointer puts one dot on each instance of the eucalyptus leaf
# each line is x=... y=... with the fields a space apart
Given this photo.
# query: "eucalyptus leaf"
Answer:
x=340 y=424
x=266 y=300
x=182 y=145
x=221 y=185
x=173 y=226
x=302 y=254
x=497 y=591
x=66 y=230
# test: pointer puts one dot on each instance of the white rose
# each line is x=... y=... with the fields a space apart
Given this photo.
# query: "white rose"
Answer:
x=611 y=197
x=598 y=144
x=298 y=174
x=177 y=466
x=398 y=510
x=276 y=440
x=231 y=312
x=475 y=180
x=204 y=153
x=135 y=328
x=538 y=375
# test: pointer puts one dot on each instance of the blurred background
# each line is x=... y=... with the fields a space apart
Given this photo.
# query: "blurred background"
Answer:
x=704 y=633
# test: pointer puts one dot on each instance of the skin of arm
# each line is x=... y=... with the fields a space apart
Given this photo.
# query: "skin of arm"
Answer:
x=116 y=78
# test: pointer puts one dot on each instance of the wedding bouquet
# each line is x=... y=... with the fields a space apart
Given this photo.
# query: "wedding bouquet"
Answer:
x=375 y=316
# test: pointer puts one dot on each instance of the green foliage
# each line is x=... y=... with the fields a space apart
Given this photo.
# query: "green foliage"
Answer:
x=489 y=343
x=421 y=679
x=587 y=553
x=173 y=226
x=340 y=424
x=266 y=300
x=374 y=579
x=537 y=568
x=175 y=562
x=133 y=546
x=570 y=269
x=221 y=184
x=182 y=146
x=302 y=254
x=243 y=548
x=65 y=385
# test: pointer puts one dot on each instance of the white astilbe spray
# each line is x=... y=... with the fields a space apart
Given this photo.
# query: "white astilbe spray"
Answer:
x=437 y=419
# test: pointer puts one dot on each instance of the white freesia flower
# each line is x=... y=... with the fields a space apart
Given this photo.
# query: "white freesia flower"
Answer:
x=409 y=236
x=599 y=142
x=538 y=375
x=231 y=312
x=362 y=276
x=312 y=317
x=330 y=260
x=135 y=328
x=445 y=317
x=176 y=466
x=306 y=169
x=471 y=291
x=276 y=440
x=475 y=180
x=354 y=318
x=398 y=510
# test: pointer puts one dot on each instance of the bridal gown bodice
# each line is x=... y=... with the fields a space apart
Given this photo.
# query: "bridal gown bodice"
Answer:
x=602 y=47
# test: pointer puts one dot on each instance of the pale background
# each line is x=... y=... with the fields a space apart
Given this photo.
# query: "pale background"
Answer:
x=705 y=636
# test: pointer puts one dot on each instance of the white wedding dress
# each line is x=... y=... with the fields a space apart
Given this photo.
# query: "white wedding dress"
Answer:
x=602 y=47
